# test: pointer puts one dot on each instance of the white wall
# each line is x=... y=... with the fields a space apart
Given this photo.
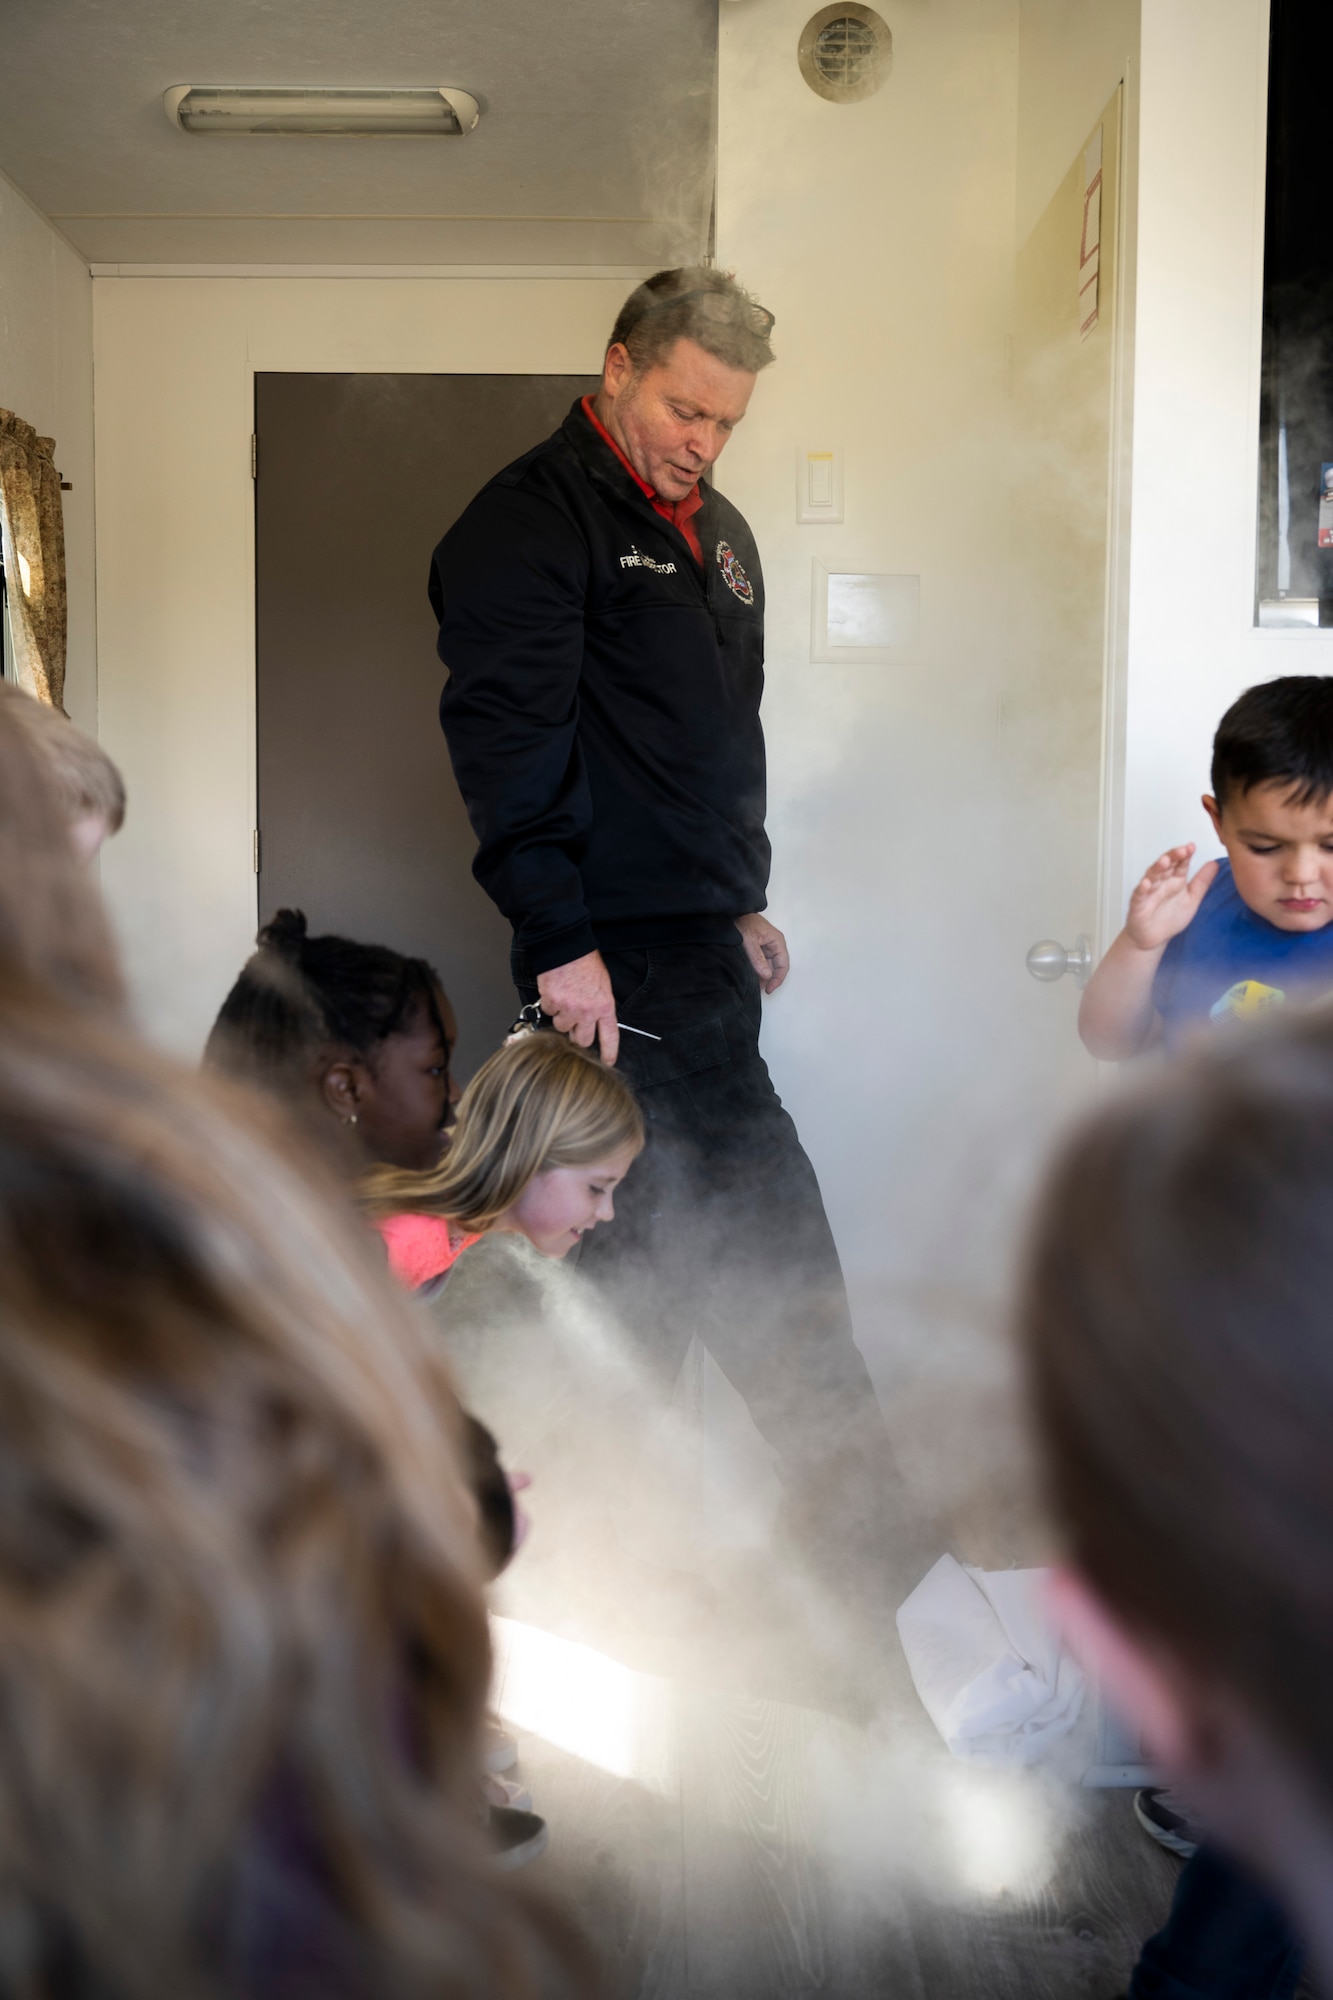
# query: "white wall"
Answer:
x=1192 y=642
x=1071 y=56
x=175 y=408
x=46 y=377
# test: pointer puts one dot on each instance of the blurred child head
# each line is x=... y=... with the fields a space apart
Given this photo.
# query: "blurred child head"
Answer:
x=1176 y=1314
x=357 y=1030
x=53 y=931
x=1272 y=799
x=545 y=1134
x=88 y=789
x=243 y=1649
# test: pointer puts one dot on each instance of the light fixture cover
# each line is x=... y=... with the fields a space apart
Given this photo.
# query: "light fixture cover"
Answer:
x=269 y=111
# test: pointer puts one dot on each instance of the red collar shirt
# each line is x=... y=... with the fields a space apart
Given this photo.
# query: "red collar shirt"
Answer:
x=680 y=513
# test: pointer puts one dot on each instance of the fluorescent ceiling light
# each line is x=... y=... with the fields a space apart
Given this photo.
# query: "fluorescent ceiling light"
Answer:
x=264 y=111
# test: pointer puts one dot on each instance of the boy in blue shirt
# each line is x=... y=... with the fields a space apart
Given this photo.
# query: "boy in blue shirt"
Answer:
x=1238 y=938
x=1248 y=933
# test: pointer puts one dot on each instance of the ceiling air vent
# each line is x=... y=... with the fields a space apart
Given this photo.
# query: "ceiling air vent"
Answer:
x=845 y=52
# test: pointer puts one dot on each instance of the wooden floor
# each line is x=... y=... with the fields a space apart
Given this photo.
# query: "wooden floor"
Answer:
x=745 y=1798
x=719 y=1841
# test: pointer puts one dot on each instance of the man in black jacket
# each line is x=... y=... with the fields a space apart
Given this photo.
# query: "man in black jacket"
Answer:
x=601 y=616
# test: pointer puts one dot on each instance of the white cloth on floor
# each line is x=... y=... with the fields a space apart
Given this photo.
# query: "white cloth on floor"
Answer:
x=987 y=1663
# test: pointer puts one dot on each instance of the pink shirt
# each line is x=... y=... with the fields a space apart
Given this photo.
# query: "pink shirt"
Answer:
x=420 y=1247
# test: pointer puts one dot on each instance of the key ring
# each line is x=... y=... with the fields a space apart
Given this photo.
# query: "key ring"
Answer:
x=530 y=1020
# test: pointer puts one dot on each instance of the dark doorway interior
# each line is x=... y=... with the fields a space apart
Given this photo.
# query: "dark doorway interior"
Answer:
x=1295 y=567
x=360 y=821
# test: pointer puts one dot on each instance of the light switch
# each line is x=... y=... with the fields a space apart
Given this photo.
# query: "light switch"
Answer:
x=819 y=486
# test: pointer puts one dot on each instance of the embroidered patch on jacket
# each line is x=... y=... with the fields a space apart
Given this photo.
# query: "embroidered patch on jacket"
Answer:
x=637 y=560
x=1245 y=999
x=732 y=574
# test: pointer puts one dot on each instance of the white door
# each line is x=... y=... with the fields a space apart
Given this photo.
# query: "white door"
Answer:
x=1007 y=1069
x=1054 y=717
x=998 y=848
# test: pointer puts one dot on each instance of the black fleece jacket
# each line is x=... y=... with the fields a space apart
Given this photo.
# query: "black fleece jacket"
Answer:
x=602 y=707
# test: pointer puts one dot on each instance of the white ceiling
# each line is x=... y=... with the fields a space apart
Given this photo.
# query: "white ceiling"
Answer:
x=594 y=146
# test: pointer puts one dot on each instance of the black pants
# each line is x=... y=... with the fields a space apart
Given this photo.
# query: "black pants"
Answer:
x=720 y=1231
x=1225 y=1939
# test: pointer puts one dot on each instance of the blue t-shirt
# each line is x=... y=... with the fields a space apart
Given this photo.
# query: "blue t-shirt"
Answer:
x=1231 y=964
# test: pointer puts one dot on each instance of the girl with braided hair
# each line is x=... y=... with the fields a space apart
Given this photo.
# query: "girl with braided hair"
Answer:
x=358 y=1029
x=356 y=1039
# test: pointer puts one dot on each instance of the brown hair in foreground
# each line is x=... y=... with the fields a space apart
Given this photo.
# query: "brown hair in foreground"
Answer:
x=538 y=1103
x=1178 y=1318
x=699 y=303
x=243 y=1651
x=83 y=778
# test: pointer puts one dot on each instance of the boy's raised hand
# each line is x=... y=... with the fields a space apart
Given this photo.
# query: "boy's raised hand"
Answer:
x=1166 y=899
x=1116 y=1016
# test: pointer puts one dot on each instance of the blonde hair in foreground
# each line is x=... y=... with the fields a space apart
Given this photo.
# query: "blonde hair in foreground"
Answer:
x=52 y=926
x=243 y=1650
x=538 y=1103
x=83 y=778
x=238 y=1565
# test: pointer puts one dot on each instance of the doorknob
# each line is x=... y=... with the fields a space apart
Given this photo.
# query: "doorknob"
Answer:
x=1048 y=961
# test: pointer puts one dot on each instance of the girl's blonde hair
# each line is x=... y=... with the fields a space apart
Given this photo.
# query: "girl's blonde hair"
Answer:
x=540 y=1102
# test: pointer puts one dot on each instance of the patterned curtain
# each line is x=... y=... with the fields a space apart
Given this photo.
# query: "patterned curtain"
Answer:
x=34 y=543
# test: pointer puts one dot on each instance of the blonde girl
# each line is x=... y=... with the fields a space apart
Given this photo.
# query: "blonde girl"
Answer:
x=546 y=1132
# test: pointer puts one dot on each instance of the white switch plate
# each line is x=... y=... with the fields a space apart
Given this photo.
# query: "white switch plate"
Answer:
x=819 y=485
x=859 y=618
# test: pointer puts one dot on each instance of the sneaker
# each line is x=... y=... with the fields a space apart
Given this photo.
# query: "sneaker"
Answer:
x=501 y=1752
x=517 y=1837
x=1165 y=1818
x=505 y=1792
